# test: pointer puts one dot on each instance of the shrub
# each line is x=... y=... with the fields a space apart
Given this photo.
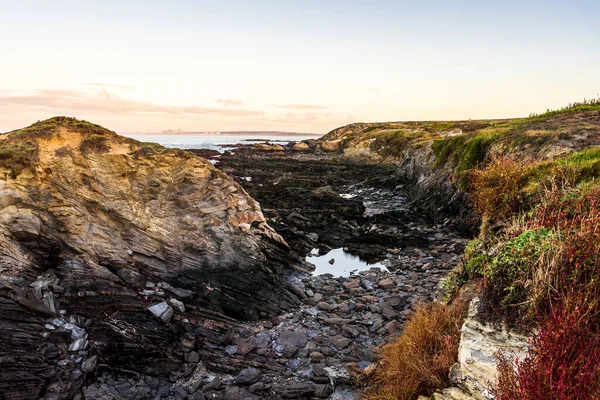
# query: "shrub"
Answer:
x=419 y=360
x=17 y=156
x=512 y=289
x=576 y=214
x=94 y=144
x=497 y=190
x=563 y=362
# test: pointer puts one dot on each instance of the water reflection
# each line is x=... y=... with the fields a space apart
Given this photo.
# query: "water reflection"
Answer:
x=344 y=263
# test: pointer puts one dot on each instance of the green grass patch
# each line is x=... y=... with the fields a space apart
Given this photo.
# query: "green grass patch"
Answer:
x=392 y=144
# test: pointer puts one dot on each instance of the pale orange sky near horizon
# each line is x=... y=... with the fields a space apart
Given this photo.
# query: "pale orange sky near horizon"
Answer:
x=311 y=66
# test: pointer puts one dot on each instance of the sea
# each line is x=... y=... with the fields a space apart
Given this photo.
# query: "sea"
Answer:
x=217 y=142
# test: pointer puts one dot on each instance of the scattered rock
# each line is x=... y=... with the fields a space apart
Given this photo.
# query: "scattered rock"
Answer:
x=248 y=376
x=162 y=311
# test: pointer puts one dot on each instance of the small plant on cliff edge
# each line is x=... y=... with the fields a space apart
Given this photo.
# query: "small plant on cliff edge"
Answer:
x=419 y=360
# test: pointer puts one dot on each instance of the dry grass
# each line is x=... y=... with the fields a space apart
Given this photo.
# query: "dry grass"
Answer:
x=419 y=360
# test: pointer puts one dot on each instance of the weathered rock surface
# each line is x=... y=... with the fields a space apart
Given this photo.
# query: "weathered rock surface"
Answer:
x=97 y=229
x=475 y=373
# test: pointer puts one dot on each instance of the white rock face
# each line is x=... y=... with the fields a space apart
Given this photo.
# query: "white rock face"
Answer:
x=476 y=373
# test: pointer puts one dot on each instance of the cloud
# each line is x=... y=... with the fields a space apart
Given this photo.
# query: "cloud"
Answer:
x=109 y=85
x=306 y=117
x=230 y=102
x=300 y=106
x=101 y=101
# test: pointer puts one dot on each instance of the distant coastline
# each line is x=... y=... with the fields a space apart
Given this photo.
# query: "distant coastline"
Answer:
x=228 y=133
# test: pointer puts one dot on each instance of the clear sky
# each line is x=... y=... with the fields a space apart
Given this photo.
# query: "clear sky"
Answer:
x=304 y=66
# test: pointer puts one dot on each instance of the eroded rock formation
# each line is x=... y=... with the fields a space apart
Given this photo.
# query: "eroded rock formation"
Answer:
x=95 y=229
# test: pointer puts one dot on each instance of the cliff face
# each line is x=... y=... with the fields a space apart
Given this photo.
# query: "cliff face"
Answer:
x=96 y=228
x=439 y=155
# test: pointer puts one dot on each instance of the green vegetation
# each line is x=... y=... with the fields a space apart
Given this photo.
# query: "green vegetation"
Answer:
x=535 y=185
x=392 y=144
x=96 y=144
x=15 y=157
x=577 y=107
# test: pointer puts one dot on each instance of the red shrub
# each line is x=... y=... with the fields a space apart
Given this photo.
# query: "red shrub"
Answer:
x=563 y=363
x=576 y=215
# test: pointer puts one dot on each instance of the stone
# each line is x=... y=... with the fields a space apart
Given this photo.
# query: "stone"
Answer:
x=338 y=375
x=89 y=365
x=191 y=357
x=262 y=340
x=162 y=311
x=325 y=306
x=350 y=331
x=323 y=391
x=386 y=284
x=301 y=146
x=289 y=350
x=332 y=261
x=177 y=304
x=392 y=326
x=340 y=342
x=248 y=376
x=297 y=339
x=245 y=347
x=352 y=284
x=214 y=384
x=316 y=357
x=78 y=345
x=294 y=390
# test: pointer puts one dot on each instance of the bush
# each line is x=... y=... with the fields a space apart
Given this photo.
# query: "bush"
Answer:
x=17 y=156
x=576 y=214
x=563 y=362
x=497 y=190
x=514 y=287
x=94 y=144
x=419 y=360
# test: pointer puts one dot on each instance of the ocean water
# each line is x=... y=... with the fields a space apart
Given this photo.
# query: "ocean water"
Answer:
x=215 y=142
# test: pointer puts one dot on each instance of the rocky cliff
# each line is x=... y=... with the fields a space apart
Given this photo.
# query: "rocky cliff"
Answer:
x=95 y=229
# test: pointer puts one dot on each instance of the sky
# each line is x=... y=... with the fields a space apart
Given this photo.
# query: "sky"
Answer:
x=301 y=66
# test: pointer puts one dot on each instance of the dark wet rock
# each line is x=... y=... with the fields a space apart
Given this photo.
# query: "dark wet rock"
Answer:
x=297 y=339
x=248 y=376
x=323 y=391
x=294 y=390
x=340 y=342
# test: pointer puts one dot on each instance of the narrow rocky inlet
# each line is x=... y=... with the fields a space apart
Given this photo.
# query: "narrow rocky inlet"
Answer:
x=326 y=348
x=131 y=271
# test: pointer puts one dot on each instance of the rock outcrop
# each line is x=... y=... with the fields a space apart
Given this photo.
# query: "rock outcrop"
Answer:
x=475 y=373
x=105 y=240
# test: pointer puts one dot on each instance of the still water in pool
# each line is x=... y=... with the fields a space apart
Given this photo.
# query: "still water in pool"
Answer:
x=344 y=263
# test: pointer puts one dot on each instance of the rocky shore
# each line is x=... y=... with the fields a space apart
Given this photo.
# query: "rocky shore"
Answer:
x=134 y=272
